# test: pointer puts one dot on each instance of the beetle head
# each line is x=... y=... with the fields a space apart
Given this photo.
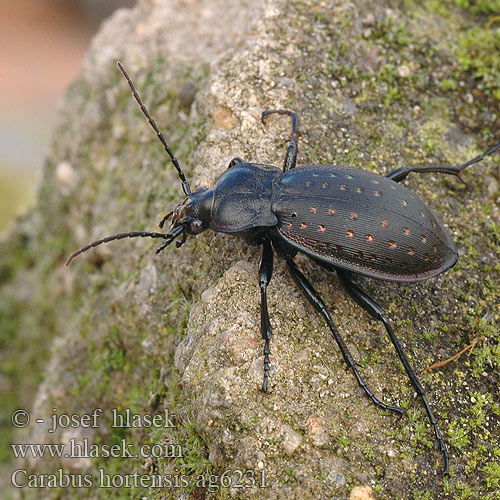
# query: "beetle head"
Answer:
x=193 y=214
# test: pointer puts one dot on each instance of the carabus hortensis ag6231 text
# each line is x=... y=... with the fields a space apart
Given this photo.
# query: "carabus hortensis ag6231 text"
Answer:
x=346 y=220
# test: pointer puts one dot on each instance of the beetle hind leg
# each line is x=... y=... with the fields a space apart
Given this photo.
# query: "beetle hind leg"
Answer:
x=265 y=274
x=312 y=295
x=374 y=310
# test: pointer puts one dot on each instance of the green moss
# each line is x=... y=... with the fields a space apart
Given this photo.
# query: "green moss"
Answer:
x=479 y=6
x=15 y=194
x=431 y=133
x=194 y=459
x=430 y=335
x=463 y=491
x=448 y=84
x=344 y=441
x=438 y=7
x=458 y=434
x=392 y=32
x=478 y=53
x=21 y=359
x=368 y=453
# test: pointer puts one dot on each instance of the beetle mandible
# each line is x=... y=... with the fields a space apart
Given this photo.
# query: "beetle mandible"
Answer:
x=349 y=221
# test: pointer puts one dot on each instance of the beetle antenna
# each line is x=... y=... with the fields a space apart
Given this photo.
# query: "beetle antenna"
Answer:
x=133 y=234
x=185 y=183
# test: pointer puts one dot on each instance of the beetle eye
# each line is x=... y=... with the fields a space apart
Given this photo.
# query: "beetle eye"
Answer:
x=196 y=226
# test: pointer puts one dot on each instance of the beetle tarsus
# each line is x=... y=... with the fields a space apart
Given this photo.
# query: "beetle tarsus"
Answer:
x=312 y=295
x=376 y=312
x=295 y=118
x=459 y=175
x=291 y=153
x=401 y=173
x=264 y=385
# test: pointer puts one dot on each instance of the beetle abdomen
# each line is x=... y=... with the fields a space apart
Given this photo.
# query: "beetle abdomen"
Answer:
x=363 y=222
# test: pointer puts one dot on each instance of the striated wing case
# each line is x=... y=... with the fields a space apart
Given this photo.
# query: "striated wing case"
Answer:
x=361 y=221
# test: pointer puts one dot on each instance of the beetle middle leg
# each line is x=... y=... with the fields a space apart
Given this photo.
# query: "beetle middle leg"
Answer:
x=312 y=295
x=401 y=173
x=374 y=310
x=265 y=274
x=291 y=153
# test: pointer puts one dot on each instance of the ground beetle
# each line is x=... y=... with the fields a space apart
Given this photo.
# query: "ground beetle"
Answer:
x=346 y=220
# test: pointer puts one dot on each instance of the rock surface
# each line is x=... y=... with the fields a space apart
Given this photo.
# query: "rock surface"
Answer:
x=123 y=328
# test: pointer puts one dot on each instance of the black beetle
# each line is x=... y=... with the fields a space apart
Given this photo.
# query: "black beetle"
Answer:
x=347 y=220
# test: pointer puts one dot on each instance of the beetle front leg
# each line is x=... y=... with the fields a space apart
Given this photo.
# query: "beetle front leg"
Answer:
x=291 y=153
x=401 y=173
x=265 y=273
x=374 y=310
x=312 y=295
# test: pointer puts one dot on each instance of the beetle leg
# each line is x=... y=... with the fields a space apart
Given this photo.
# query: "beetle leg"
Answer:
x=265 y=273
x=374 y=310
x=291 y=153
x=165 y=219
x=183 y=239
x=234 y=161
x=400 y=173
x=312 y=295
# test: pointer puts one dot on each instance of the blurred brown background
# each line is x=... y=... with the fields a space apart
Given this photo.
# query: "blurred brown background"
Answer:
x=42 y=43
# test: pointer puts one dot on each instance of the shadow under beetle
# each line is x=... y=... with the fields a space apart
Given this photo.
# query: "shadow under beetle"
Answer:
x=349 y=221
